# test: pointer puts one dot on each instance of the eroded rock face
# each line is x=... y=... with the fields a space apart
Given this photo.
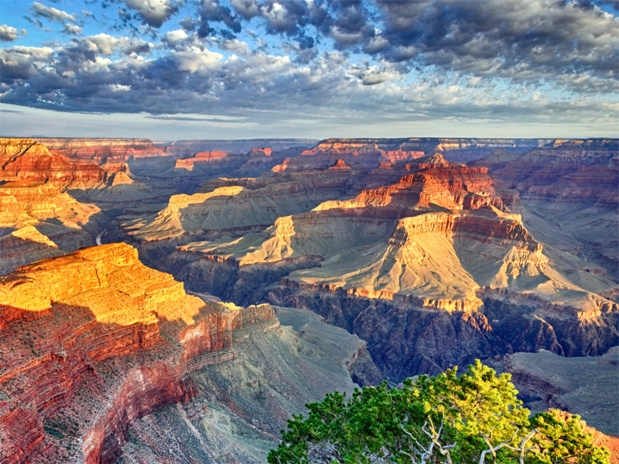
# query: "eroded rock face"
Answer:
x=38 y=220
x=24 y=246
x=373 y=151
x=429 y=269
x=186 y=148
x=233 y=206
x=101 y=150
x=432 y=263
x=29 y=160
x=572 y=185
x=201 y=158
x=244 y=403
x=120 y=340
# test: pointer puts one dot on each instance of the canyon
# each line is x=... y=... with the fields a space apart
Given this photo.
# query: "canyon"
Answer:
x=94 y=341
x=178 y=301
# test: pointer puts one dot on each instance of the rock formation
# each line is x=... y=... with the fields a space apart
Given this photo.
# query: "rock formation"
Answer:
x=372 y=151
x=23 y=246
x=238 y=205
x=94 y=341
x=102 y=150
x=28 y=160
x=202 y=158
x=430 y=263
x=441 y=237
x=184 y=148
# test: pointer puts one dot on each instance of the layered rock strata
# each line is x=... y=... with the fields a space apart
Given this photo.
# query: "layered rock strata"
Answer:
x=186 y=148
x=235 y=206
x=24 y=246
x=29 y=160
x=35 y=215
x=102 y=150
x=581 y=385
x=569 y=188
x=371 y=152
x=440 y=243
x=120 y=340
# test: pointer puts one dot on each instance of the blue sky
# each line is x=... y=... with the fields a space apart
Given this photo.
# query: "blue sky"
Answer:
x=178 y=69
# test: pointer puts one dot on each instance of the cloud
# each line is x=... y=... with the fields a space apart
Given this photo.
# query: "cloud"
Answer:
x=213 y=11
x=175 y=37
x=176 y=117
x=520 y=40
x=195 y=59
x=51 y=13
x=72 y=29
x=153 y=12
x=9 y=34
x=22 y=63
x=339 y=61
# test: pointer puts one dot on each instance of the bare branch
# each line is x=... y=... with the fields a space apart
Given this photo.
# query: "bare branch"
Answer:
x=492 y=450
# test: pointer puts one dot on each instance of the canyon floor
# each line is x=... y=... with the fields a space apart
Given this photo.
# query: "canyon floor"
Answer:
x=178 y=302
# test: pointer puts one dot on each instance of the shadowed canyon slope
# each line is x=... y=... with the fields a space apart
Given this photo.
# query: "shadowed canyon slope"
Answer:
x=130 y=352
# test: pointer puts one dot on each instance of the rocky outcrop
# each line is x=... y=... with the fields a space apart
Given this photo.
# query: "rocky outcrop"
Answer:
x=202 y=158
x=94 y=341
x=29 y=160
x=113 y=332
x=190 y=147
x=406 y=336
x=236 y=206
x=372 y=151
x=102 y=150
x=440 y=247
x=32 y=214
x=244 y=403
x=572 y=185
x=24 y=246
x=575 y=171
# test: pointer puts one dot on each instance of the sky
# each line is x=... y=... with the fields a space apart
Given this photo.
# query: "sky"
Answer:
x=215 y=69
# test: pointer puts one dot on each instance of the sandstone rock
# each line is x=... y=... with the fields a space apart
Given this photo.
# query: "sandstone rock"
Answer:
x=200 y=158
x=28 y=160
x=103 y=150
x=94 y=341
x=570 y=190
x=120 y=340
x=441 y=242
x=24 y=246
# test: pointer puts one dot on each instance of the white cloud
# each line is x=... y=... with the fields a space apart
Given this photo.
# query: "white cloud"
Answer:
x=51 y=13
x=8 y=33
x=176 y=36
x=153 y=12
x=72 y=29
x=195 y=59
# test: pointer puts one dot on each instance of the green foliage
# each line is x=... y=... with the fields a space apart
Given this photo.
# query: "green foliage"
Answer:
x=472 y=418
x=561 y=440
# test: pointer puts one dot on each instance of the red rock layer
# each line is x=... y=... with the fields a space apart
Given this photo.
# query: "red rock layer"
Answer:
x=433 y=183
x=575 y=171
x=101 y=150
x=371 y=151
x=200 y=158
x=86 y=352
x=28 y=160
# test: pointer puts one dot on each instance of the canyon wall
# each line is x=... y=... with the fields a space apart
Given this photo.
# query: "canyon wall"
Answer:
x=122 y=341
x=428 y=262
